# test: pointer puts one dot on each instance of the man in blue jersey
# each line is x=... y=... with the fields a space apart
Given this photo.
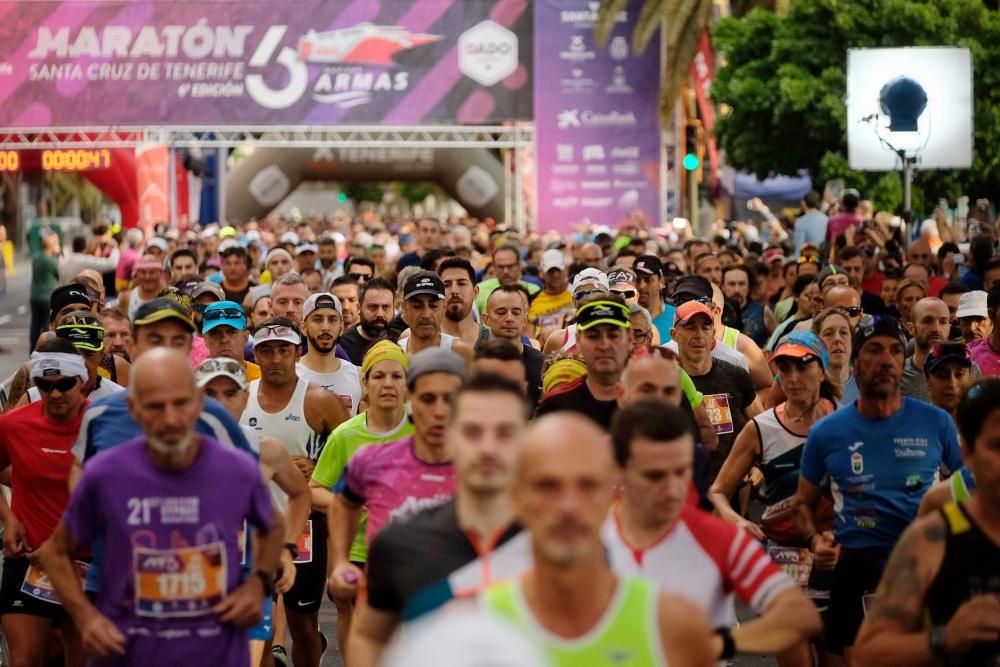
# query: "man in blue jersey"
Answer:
x=880 y=455
x=107 y=422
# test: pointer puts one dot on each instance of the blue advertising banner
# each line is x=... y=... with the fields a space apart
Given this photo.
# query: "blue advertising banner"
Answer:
x=596 y=119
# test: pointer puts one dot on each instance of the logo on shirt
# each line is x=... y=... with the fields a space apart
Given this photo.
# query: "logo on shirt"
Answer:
x=619 y=655
x=253 y=421
x=293 y=418
x=857 y=463
x=856 y=446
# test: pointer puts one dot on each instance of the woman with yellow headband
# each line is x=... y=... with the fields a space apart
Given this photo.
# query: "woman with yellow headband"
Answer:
x=383 y=379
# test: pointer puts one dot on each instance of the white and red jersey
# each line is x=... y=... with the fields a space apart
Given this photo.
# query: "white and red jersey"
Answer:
x=704 y=559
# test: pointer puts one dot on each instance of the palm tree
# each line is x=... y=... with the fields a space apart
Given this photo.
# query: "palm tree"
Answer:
x=684 y=21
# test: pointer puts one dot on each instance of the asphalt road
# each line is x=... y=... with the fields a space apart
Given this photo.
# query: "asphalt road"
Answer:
x=14 y=323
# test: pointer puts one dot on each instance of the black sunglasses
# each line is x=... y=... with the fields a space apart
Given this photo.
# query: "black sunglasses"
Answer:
x=625 y=293
x=681 y=300
x=360 y=277
x=224 y=314
x=854 y=311
x=63 y=385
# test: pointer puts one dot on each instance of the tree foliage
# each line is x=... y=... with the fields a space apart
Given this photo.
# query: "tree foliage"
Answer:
x=782 y=88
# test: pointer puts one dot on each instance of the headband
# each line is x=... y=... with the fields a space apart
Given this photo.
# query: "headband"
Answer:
x=384 y=350
x=277 y=251
x=65 y=364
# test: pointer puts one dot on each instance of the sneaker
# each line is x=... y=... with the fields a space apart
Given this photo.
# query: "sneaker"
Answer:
x=280 y=656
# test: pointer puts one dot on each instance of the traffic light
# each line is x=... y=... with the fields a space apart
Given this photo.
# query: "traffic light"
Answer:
x=693 y=146
x=341 y=197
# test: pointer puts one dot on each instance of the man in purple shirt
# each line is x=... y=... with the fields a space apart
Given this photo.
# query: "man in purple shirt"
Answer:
x=169 y=506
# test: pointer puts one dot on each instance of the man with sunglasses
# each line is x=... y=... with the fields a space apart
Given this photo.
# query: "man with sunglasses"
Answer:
x=360 y=269
x=36 y=442
x=929 y=325
x=623 y=282
x=552 y=308
x=586 y=283
x=602 y=323
x=301 y=416
x=323 y=324
x=224 y=328
x=880 y=455
x=838 y=295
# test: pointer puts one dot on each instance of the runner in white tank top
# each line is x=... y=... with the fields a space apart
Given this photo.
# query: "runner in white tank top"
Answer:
x=288 y=425
x=446 y=341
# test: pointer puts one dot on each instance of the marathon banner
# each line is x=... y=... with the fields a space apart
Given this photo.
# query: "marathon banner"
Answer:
x=76 y=63
x=597 y=131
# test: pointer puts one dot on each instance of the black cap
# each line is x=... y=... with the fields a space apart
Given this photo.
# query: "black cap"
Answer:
x=879 y=326
x=946 y=352
x=697 y=286
x=648 y=265
x=67 y=295
x=423 y=283
x=160 y=309
x=671 y=270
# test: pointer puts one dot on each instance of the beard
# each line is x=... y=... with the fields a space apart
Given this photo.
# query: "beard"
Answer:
x=456 y=311
x=171 y=451
x=322 y=346
x=374 y=328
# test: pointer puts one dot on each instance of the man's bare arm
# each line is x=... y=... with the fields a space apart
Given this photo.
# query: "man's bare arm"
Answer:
x=370 y=632
x=684 y=633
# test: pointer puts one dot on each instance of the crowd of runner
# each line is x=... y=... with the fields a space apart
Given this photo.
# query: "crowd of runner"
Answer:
x=487 y=447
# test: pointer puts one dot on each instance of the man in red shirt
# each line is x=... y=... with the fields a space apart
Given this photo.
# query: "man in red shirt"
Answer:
x=36 y=442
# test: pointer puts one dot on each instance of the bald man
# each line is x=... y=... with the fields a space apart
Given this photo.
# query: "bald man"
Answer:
x=929 y=324
x=841 y=296
x=562 y=495
x=170 y=497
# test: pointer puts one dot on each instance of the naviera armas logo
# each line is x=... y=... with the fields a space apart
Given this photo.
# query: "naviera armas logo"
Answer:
x=487 y=53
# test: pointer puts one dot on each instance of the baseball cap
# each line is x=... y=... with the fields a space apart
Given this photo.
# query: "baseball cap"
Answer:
x=227 y=231
x=774 y=255
x=268 y=333
x=590 y=275
x=696 y=287
x=671 y=270
x=289 y=237
x=208 y=287
x=220 y=367
x=649 y=265
x=946 y=352
x=321 y=300
x=435 y=360
x=67 y=295
x=306 y=247
x=423 y=284
x=802 y=345
x=972 y=304
x=602 y=312
x=160 y=309
x=86 y=332
x=157 y=242
x=621 y=277
x=879 y=326
x=553 y=259
x=828 y=270
x=685 y=312
x=220 y=313
x=148 y=262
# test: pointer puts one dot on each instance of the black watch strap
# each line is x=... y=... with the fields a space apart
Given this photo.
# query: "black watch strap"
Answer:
x=292 y=549
x=728 y=643
x=936 y=641
x=266 y=582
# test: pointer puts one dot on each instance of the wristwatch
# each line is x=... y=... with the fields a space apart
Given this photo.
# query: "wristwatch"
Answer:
x=936 y=641
x=266 y=581
x=728 y=643
x=292 y=549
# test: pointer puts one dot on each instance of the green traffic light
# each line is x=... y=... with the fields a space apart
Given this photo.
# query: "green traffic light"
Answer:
x=691 y=162
x=341 y=197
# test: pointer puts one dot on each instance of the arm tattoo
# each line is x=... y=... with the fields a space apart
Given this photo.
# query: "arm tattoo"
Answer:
x=901 y=592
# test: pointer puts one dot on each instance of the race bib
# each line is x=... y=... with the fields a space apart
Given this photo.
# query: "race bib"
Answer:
x=37 y=584
x=719 y=412
x=305 y=544
x=173 y=583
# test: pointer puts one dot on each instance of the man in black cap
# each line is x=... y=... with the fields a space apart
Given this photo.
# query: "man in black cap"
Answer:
x=880 y=454
x=649 y=275
x=602 y=323
x=423 y=311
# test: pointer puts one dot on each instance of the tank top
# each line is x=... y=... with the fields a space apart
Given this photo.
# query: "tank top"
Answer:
x=446 y=341
x=781 y=452
x=287 y=425
x=134 y=302
x=730 y=336
x=569 y=340
x=627 y=634
x=962 y=484
x=971 y=566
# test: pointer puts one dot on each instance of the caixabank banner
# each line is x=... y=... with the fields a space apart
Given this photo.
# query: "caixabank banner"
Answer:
x=597 y=131
x=75 y=63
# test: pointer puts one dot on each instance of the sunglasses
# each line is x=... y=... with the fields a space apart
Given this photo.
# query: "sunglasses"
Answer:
x=583 y=294
x=625 y=293
x=806 y=259
x=223 y=365
x=360 y=277
x=276 y=331
x=63 y=385
x=681 y=300
x=224 y=314
x=854 y=311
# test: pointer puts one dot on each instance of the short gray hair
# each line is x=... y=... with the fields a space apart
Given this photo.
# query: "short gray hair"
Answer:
x=289 y=279
x=636 y=309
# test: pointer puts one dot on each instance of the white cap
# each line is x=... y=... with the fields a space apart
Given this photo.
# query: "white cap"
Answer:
x=321 y=300
x=972 y=304
x=157 y=242
x=289 y=237
x=590 y=275
x=306 y=247
x=553 y=259
x=228 y=244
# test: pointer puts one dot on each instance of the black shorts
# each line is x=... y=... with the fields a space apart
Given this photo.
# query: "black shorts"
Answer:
x=13 y=601
x=306 y=596
x=855 y=576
